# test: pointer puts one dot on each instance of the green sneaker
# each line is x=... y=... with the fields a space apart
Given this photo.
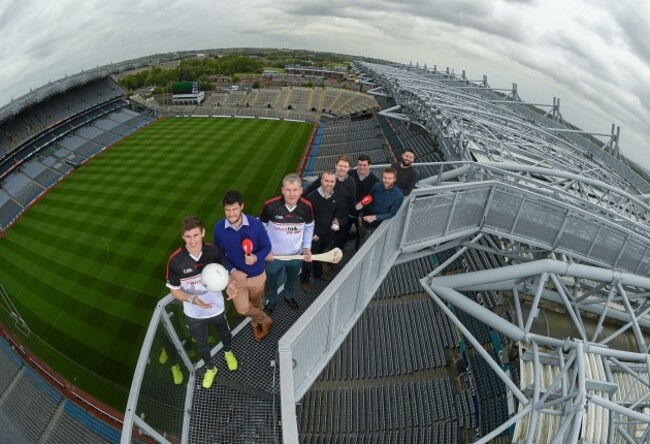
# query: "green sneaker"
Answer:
x=162 y=358
x=178 y=374
x=208 y=378
x=231 y=361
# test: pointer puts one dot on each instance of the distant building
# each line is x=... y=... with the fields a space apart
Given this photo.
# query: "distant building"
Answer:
x=338 y=73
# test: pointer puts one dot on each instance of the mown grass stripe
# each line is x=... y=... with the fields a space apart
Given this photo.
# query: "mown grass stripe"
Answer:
x=128 y=201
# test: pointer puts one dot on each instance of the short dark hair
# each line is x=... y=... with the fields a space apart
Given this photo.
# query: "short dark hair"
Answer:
x=232 y=197
x=389 y=170
x=364 y=158
x=190 y=223
x=409 y=150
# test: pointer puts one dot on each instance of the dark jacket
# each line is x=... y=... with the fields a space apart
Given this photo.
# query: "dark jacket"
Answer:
x=385 y=203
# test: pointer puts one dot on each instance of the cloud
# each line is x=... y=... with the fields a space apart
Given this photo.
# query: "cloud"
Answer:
x=595 y=55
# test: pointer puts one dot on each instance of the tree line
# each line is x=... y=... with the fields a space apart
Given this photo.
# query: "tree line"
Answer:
x=191 y=70
x=226 y=63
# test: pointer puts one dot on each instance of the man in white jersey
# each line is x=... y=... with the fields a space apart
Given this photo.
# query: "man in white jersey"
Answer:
x=289 y=222
x=201 y=306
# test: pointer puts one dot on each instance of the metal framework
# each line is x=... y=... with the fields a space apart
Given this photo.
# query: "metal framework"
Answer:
x=476 y=123
x=570 y=228
x=573 y=387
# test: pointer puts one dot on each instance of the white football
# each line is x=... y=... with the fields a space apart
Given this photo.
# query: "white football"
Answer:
x=214 y=277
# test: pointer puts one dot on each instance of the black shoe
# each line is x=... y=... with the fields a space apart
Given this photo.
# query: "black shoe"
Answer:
x=292 y=304
x=269 y=306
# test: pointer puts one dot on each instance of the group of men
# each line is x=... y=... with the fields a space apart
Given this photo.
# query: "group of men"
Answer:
x=289 y=224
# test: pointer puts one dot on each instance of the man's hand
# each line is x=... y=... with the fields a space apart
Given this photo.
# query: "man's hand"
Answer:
x=370 y=218
x=307 y=253
x=231 y=290
x=250 y=259
x=269 y=258
x=238 y=275
x=315 y=238
x=199 y=303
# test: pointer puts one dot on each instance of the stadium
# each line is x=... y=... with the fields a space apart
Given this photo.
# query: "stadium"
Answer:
x=505 y=302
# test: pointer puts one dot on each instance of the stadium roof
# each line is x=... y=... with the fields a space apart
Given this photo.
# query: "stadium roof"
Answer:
x=15 y=106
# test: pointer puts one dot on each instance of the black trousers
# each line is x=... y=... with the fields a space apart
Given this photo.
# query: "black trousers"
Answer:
x=199 y=330
x=319 y=246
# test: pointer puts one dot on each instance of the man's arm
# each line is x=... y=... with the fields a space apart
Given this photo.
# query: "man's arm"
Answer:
x=174 y=285
x=393 y=207
x=264 y=242
x=220 y=247
x=179 y=294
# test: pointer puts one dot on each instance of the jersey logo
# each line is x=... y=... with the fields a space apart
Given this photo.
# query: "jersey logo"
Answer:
x=187 y=271
x=277 y=216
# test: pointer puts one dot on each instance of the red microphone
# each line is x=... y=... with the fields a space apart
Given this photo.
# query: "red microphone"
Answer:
x=365 y=200
x=247 y=246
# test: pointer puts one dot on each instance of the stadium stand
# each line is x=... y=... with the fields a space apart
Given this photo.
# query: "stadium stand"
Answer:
x=350 y=137
x=58 y=109
x=41 y=173
x=416 y=338
x=21 y=188
x=291 y=103
x=31 y=410
x=48 y=140
x=9 y=209
x=75 y=126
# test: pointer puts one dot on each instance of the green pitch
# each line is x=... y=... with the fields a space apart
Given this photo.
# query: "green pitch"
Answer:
x=85 y=266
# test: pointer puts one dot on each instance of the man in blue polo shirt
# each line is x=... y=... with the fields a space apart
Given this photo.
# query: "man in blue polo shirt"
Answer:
x=246 y=269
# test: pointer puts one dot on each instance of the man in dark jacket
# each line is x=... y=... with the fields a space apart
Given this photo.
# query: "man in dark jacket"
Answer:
x=327 y=214
x=346 y=190
x=407 y=177
x=364 y=179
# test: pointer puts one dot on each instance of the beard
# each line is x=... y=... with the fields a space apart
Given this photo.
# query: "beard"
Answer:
x=406 y=163
x=237 y=221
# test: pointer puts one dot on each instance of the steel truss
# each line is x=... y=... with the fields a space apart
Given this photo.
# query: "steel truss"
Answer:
x=572 y=388
x=480 y=124
x=585 y=192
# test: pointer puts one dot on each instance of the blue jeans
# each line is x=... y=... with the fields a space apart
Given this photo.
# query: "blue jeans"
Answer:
x=274 y=271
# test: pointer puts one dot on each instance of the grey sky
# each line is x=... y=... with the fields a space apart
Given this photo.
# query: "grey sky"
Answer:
x=594 y=55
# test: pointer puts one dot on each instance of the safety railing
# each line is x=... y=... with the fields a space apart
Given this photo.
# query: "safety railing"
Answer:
x=431 y=216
